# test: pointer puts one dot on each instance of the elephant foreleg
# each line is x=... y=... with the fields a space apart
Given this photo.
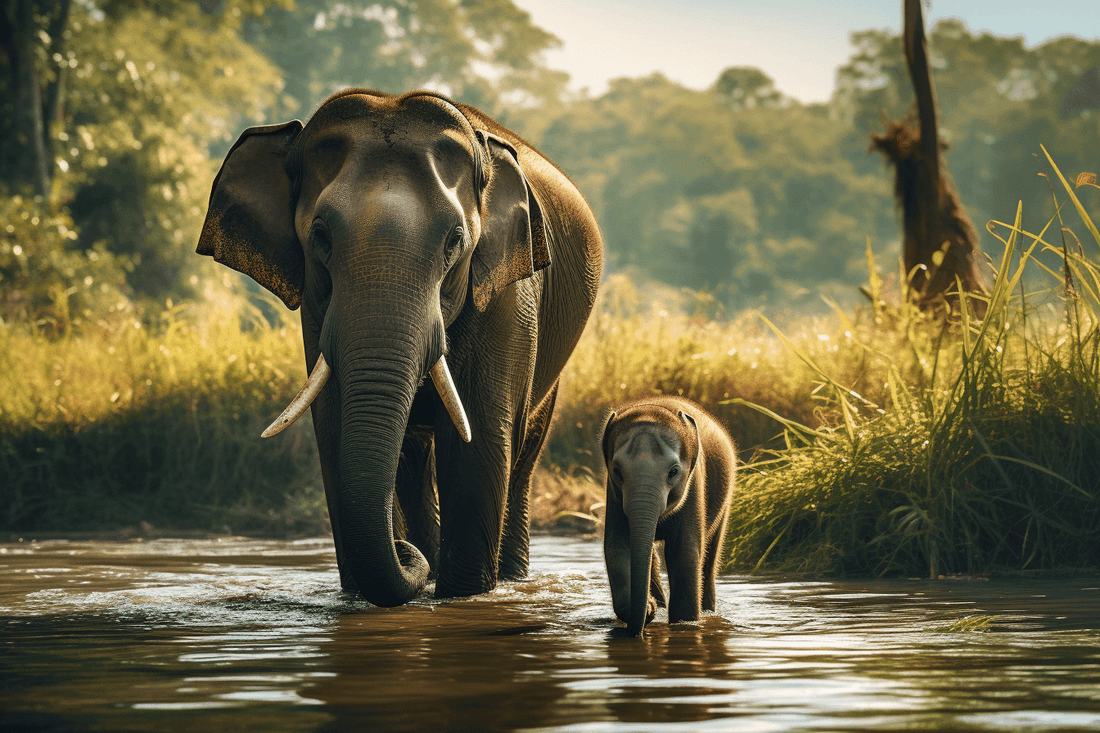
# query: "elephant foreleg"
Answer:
x=655 y=589
x=515 y=541
x=472 y=483
x=684 y=560
x=616 y=549
x=415 y=490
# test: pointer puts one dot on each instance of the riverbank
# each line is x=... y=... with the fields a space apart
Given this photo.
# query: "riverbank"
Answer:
x=880 y=440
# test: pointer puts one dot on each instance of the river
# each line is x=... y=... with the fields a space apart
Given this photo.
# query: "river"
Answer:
x=238 y=634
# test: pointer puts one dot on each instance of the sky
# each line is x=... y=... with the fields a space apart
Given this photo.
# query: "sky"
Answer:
x=799 y=43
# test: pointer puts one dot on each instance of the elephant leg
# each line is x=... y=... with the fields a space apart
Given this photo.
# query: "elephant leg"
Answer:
x=515 y=541
x=346 y=582
x=655 y=588
x=685 y=578
x=616 y=550
x=472 y=481
x=326 y=430
x=415 y=491
x=711 y=564
x=472 y=478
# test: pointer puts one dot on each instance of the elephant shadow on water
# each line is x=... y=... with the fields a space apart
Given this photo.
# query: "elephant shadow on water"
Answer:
x=420 y=238
x=694 y=653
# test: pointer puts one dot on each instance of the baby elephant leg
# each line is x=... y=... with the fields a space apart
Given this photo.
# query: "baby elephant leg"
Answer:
x=618 y=572
x=656 y=592
x=710 y=568
x=685 y=582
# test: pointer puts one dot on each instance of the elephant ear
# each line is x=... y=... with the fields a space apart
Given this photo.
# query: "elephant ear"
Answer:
x=698 y=438
x=250 y=222
x=513 y=242
x=605 y=436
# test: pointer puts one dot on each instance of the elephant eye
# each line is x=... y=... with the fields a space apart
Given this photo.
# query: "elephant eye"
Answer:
x=321 y=241
x=617 y=473
x=453 y=246
x=673 y=472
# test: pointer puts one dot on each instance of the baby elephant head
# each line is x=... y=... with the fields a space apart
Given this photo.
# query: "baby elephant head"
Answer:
x=650 y=453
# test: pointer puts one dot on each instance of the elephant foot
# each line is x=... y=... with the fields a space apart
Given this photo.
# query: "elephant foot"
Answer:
x=650 y=611
x=675 y=618
x=512 y=568
x=449 y=589
x=348 y=585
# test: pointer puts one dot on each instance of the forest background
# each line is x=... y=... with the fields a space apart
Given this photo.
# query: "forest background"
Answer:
x=717 y=202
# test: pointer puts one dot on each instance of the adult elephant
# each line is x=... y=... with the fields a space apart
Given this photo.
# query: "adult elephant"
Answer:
x=414 y=228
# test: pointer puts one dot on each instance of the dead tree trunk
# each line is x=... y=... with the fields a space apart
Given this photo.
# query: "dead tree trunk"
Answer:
x=939 y=243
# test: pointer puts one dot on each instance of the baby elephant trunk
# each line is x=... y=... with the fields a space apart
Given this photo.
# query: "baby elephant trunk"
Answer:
x=642 y=513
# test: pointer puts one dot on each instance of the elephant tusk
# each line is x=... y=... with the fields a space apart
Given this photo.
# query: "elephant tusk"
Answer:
x=445 y=386
x=304 y=398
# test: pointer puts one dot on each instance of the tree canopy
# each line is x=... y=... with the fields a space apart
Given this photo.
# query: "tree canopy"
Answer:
x=486 y=53
x=117 y=113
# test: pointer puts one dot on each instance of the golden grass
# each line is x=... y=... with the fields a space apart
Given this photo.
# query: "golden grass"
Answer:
x=989 y=459
x=159 y=422
x=893 y=442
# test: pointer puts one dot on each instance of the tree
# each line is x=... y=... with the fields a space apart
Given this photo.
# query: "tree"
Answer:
x=997 y=100
x=135 y=98
x=745 y=86
x=753 y=202
x=33 y=41
x=940 y=246
x=482 y=52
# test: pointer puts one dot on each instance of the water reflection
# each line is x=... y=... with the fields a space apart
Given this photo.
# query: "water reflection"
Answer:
x=249 y=635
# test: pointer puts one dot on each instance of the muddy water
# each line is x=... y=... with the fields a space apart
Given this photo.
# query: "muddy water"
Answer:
x=245 y=635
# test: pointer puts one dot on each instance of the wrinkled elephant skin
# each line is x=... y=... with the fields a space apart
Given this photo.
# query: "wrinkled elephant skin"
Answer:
x=412 y=228
x=670 y=475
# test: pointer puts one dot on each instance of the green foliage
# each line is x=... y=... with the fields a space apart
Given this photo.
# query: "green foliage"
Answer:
x=128 y=423
x=748 y=198
x=46 y=281
x=765 y=201
x=153 y=89
x=482 y=52
x=745 y=86
x=146 y=89
x=997 y=100
x=736 y=189
x=991 y=460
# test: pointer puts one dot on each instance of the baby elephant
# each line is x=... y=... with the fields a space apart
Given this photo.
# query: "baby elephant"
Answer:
x=670 y=472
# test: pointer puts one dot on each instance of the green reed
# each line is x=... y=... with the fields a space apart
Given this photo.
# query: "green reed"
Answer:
x=989 y=459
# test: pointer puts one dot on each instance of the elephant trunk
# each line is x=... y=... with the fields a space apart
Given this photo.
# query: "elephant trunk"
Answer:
x=642 y=514
x=376 y=395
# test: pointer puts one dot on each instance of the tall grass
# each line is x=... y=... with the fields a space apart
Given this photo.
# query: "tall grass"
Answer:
x=156 y=423
x=993 y=462
x=125 y=421
x=893 y=442
x=636 y=345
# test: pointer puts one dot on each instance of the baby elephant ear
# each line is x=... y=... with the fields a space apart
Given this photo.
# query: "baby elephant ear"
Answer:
x=250 y=222
x=698 y=438
x=513 y=235
x=604 y=436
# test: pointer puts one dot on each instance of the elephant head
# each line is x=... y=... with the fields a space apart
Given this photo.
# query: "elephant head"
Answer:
x=651 y=454
x=387 y=216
